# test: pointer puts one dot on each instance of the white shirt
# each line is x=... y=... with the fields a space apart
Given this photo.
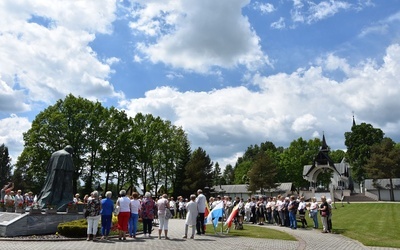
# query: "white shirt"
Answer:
x=302 y=205
x=201 y=203
x=124 y=204
x=162 y=205
x=172 y=204
x=135 y=206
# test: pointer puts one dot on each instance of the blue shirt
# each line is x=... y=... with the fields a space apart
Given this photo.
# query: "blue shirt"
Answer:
x=107 y=206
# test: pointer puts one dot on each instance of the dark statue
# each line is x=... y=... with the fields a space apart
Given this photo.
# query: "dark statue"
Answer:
x=57 y=190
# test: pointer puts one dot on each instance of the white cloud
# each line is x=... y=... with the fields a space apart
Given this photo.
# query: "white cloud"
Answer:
x=304 y=123
x=310 y=12
x=280 y=24
x=264 y=7
x=45 y=50
x=325 y=9
x=304 y=103
x=385 y=26
x=186 y=39
x=11 y=130
x=11 y=99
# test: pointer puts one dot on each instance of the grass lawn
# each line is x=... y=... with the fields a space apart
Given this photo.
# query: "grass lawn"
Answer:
x=255 y=232
x=372 y=224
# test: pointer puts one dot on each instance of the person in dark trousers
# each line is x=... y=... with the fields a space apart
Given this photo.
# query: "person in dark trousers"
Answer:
x=201 y=206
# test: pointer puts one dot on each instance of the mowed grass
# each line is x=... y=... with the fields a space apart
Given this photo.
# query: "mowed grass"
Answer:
x=372 y=224
x=254 y=232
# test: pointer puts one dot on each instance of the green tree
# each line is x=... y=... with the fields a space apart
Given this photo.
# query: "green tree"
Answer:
x=384 y=162
x=144 y=135
x=358 y=143
x=217 y=175
x=198 y=172
x=337 y=155
x=241 y=169
x=229 y=175
x=262 y=174
x=174 y=148
x=64 y=123
x=295 y=157
x=95 y=133
x=243 y=164
x=5 y=165
x=183 y=159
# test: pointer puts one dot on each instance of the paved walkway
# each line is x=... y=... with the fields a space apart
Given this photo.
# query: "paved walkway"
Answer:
x=307 y=239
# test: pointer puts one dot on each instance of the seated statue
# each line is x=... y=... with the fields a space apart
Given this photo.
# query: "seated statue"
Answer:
x=57 y=190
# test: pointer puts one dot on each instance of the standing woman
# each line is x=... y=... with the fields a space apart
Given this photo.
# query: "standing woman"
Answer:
x=162 y=206
x=107 y=207
x=324 y=210
x=148 y=211
x=314 y=212
x=124 y=213
x=191 y=216
x=94 y=207
x=133 y=220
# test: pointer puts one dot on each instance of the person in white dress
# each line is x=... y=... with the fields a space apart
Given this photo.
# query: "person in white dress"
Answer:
x=191 y=216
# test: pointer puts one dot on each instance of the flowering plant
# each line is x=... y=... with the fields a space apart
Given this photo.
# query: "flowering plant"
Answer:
x=9 y=203
x=21 y=205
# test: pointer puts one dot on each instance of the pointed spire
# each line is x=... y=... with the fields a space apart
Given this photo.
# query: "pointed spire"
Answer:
x=324 y=146
x=354 y=120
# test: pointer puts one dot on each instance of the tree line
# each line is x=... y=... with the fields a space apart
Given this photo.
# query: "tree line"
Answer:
x=114 y=151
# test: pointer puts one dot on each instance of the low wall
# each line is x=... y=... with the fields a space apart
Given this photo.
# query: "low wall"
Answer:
x=384 y=194
x=14 y=224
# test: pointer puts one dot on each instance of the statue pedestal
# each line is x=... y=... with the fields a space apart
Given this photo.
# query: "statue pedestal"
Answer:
x=35 y=211
x=20 y=210
x=51 y=211
x=10 y=209
x=72 y=209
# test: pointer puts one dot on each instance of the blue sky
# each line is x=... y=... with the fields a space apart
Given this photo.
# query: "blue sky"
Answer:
x=232 y=73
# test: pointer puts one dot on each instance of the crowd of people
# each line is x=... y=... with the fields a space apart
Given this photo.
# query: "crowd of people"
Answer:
x=15 y=199
x=280 y=211
x=288 y=211
x=146 y=208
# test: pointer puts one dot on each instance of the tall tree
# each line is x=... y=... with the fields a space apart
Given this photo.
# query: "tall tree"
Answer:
x=262 y=174
x=384 y=162
x=337 y=155
x=217 y=175
x=183 y=159
x=295 y=157
x=5 y=165
x=57 y=126
x=229 y=175
x=198 y=172
x=241 y=169
x=144 y=136
x=358 y=143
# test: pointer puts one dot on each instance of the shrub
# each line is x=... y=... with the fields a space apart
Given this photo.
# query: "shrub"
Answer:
x=73 y=229
x=78 y=228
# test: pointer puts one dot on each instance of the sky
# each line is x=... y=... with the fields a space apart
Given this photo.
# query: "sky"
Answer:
x=231 y=73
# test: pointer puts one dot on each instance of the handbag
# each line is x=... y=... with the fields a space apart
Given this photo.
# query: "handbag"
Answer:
x=323 y=213
x=87 y=213
x=168 y=214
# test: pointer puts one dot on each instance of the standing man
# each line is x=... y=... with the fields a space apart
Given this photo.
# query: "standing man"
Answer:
x=201 y=206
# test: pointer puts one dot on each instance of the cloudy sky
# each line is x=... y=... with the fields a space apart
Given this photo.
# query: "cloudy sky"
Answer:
x=232 y=73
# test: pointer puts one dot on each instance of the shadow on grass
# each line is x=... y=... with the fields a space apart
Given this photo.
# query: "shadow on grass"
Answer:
x=339 y=231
